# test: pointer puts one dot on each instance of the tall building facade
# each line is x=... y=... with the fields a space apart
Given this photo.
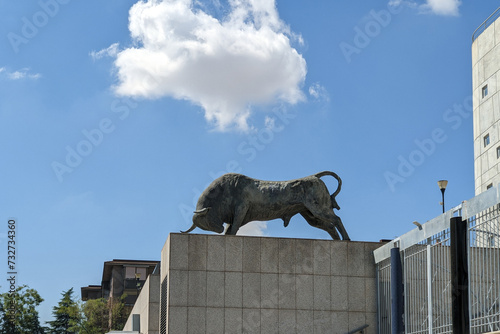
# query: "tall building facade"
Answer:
x=486 y=103
x=121 y=277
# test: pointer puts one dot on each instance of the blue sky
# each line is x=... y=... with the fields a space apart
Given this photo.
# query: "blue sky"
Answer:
x=115 y=115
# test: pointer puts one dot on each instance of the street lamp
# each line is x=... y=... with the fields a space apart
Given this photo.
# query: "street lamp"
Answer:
x=442 y=186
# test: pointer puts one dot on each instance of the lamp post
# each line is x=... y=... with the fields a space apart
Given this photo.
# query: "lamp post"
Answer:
x=442 y=186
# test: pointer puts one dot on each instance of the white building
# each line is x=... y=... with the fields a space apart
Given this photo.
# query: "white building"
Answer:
x=486 y=103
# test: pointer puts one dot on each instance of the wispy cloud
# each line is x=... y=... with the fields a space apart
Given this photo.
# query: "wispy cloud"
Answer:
x=22 y=74
x=111 y=51
x=256 y=229
x=225 y=65
x=319 y=92
x=442 y=7
x=437 y=7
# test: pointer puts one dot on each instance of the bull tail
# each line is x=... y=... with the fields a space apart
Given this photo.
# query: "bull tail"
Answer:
x=336 y=192
x=190 y=229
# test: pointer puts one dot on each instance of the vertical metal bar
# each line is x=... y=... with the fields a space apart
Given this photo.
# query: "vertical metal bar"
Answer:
x=405 y=288
x=459 y=276
x=494 y=250
x=470 y=243
x=429 y=289
x=377 y=276
x=397 y=305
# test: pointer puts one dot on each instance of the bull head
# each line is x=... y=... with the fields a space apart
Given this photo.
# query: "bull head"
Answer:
x=205 y=221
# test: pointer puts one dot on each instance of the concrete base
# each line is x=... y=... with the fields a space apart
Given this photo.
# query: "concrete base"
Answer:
x=232 y=284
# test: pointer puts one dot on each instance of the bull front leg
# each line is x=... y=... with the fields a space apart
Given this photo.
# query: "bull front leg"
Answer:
x=286 y=220
x=238 y=220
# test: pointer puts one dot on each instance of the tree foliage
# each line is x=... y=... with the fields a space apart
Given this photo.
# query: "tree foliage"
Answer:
x=102 y=316
x=67 y=315
x=18 y=314
x=96 y=316
x=119 y=312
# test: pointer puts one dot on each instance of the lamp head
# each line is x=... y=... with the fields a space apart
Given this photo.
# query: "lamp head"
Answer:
x=442 y=184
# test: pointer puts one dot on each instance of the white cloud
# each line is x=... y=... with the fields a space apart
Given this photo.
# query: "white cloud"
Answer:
x=319 y=92
x=111 y=51
x=442 y=7
x=224 y=65
x=437 y=7
x=19 y=74
x=256 y=229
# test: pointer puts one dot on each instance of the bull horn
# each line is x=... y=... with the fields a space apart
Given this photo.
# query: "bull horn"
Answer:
x=202 y=211
x=190 y=229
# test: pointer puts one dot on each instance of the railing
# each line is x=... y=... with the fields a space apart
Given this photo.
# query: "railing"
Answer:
x=384 y=296
x=425 y=257
x=484 y=271
x=486 y=24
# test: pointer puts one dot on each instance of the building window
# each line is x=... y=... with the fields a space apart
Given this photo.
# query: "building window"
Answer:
x=142 y=273
x=498 y=152
x=135 y=273
x=491 y=241
x=129 y=272
x=489 y=186
x=485 y=91
x=486 y=140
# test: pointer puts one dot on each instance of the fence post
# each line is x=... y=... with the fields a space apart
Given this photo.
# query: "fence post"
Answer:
x=397 y=304
x=459 y=276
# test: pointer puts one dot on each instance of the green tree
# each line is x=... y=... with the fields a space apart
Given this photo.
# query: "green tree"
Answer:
x=67 y=315
x=96 y=316
x=103 y=315
x=18 y=314
x=119 y=312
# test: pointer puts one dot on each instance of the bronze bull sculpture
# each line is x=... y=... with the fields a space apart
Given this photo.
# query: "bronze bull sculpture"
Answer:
x=237 y=199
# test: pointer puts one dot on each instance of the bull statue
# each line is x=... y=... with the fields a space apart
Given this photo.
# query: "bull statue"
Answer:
x=237 y=199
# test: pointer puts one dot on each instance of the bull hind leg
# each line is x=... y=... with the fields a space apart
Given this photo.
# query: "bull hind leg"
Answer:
x=330 y=218
x=315 y=222
x=341 y=228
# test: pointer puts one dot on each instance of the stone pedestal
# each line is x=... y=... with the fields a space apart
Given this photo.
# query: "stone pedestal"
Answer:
x=232 y=284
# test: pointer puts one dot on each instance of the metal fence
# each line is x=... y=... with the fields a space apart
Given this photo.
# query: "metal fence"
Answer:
x=484 y=271
x=384 y=295
x=425 y=257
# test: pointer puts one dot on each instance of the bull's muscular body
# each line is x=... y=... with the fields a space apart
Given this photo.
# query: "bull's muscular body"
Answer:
x=236 y=199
